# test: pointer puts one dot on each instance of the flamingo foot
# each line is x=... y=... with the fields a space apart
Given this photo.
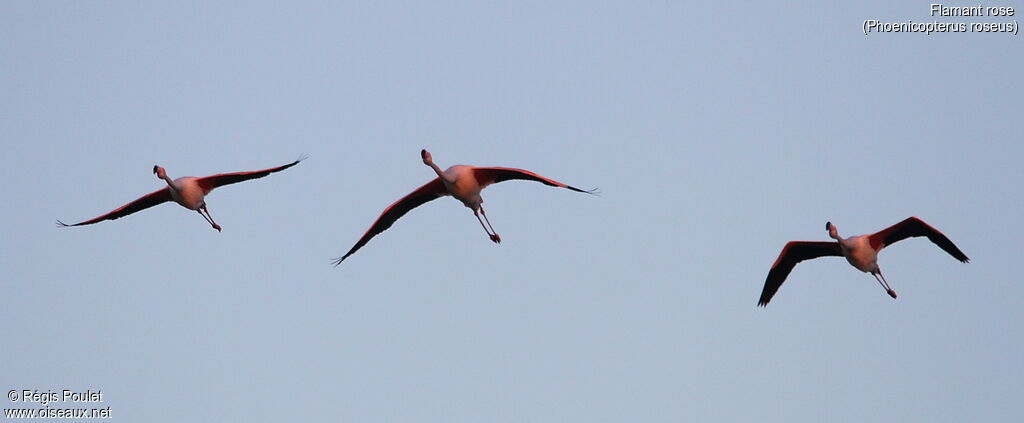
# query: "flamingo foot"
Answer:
x=891 y=293
x=495 y=238
x=217 y=227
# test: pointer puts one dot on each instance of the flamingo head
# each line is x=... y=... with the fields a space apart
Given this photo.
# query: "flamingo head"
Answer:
x=832 y=231
x=159 y=171
x=427 y=159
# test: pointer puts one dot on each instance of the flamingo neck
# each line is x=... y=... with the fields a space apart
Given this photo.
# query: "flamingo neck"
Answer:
x=170 y=183
x=441 y=174
x=834 y=234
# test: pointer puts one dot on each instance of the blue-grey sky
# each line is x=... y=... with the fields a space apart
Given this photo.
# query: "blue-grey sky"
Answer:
x=716 y=132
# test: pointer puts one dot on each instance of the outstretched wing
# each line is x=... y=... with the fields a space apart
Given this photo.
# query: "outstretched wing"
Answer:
x=208 y=183
x=911 y=227
x=149 y=200
x=492 y=175
x=793 y=253
x=429 y=191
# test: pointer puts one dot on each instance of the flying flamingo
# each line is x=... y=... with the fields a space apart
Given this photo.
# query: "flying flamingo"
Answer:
x=860 y=251
x=462 y=182
x=188 y=191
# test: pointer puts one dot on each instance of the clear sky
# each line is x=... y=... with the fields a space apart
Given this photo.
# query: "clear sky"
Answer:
x=716 y=132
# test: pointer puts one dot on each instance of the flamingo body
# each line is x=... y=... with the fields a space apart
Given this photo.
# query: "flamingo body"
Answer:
x=858 y=252
x=188 y=193
x=465 y=188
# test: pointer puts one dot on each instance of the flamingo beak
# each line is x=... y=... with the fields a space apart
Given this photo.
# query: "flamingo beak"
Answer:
x=828 y=225
x=423 y=153
x=154 y=168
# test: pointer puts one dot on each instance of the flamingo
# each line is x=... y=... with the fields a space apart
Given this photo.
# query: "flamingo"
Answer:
x=462 y=182
x=188 y=191
x=860 y=251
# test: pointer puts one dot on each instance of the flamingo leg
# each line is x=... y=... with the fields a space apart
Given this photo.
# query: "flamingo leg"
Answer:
x=885 y=284
x=494 y=237
x=208 y=217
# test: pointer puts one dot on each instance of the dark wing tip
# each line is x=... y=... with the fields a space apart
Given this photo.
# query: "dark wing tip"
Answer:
x=302 y=157
x=766 y=296
x=956 y=253
x=62 y=224
x=593 y=191
x=338 y=260
x=355 y=248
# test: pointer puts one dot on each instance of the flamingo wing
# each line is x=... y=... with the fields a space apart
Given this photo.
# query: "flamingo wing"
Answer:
x=429 y=191
x=492 y=175
x=149 y=200
x=912 y=227
x=208 y=183
x=793 y=253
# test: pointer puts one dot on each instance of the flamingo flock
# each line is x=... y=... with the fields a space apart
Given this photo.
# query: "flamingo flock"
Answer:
x=464 y=183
